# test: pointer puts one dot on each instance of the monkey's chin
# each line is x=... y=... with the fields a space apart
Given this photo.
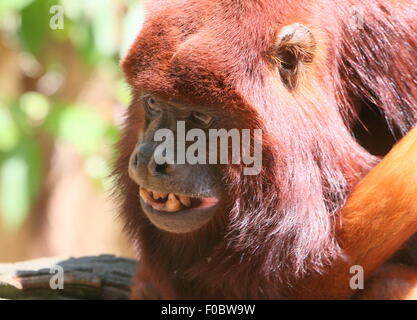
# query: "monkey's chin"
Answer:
x=182 y=221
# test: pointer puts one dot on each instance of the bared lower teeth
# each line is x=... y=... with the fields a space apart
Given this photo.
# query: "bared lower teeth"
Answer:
x=172 y=203
x=159 y=195
x=144 y=194
x=169 y=202
x=186 y=201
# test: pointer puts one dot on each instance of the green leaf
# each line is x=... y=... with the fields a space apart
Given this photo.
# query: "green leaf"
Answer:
x=104 y=27
x=79 y=126
x=13 y=5
x=35 y=106
x=123 y=92
x=112 y=134
x=96 y=167
x=35 y=25
x=14 y=192
x=9 y=132
x=32 y=153
x=20 y=182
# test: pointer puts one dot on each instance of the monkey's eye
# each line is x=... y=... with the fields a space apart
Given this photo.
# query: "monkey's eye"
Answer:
x=152 y=104
x=201 y=118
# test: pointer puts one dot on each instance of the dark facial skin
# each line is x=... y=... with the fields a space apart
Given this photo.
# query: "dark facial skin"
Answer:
x=177 y=198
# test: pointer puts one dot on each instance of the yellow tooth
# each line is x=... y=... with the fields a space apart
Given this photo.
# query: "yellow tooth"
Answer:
x=144 y=194
x=172 y=204
x=186 y=201
x=159 y=195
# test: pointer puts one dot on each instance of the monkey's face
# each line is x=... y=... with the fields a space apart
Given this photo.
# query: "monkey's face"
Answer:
x=178 y=193
x=212 y=77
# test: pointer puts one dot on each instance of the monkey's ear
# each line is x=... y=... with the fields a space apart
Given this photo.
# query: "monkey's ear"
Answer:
x=293 y=50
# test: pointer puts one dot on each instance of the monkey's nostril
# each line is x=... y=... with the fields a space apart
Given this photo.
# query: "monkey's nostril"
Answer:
x=160 y=168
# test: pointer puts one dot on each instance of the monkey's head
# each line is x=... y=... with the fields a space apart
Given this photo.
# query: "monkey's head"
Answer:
x=198 y=66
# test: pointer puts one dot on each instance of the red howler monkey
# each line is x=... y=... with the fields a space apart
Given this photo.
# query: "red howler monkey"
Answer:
x=332 y=85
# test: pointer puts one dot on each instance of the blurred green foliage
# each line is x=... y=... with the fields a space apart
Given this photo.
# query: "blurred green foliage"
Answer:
x=30 y=117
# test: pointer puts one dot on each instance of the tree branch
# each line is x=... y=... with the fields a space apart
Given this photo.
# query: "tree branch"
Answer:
x=95 y=277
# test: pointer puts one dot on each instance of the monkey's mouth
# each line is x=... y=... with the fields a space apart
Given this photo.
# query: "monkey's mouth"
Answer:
x=172 y=202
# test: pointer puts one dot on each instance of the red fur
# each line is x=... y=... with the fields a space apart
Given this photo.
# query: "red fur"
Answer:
x=281 y=225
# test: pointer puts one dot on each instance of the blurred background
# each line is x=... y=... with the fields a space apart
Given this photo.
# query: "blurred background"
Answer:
x=62 y=98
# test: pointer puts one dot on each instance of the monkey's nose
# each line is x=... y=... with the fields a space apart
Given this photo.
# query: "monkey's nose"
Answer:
x=143 y=162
